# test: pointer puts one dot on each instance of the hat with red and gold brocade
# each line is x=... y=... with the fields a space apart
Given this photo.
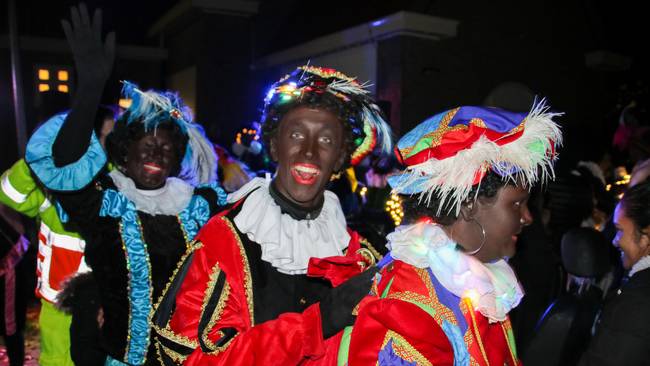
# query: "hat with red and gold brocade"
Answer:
x=369 y=129
x=449 y=153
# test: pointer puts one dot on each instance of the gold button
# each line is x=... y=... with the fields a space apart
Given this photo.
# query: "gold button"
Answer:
x=302 y=301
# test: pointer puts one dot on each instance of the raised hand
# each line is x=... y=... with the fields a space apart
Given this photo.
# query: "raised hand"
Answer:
x=93 y=58
x=93 y=61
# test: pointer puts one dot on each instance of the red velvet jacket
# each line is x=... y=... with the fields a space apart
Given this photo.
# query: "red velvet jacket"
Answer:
x=206 y=315
x=410 y=319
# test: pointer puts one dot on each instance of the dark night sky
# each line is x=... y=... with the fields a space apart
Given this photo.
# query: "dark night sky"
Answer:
x=616 y=26
x=564 y=28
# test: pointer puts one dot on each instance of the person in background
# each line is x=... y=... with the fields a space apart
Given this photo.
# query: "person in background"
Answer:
x=596 y=169
x=60 y=250
x=640 y=172
x=539 y=271
x=13 y=301
x=233 y=173
x=623 y=333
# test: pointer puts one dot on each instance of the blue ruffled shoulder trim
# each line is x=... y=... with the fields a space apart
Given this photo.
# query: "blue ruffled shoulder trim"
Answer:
x=197 y=213
x=71 y=177
x=114 y=204
x=194 y=216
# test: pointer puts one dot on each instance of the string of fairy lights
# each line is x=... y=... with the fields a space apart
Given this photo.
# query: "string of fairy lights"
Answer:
x=624 y=181
x=247 y=131
x=394 y=208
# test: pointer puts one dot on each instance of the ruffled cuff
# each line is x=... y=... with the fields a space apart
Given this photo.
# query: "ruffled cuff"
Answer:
x=71 y=177
x=313 y=343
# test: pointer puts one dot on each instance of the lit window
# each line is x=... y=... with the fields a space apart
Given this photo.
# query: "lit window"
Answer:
x=43 y=74
x=63 y=75
x=63 y=88
x=125 y=103
x=43 y=87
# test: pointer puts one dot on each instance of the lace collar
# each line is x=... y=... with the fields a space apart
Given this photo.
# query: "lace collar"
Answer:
x=171 y=199
x=492 y=287
x=288 y=243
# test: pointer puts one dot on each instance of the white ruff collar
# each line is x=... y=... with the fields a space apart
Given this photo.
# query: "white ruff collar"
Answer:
x=492 y=287
x=171 y=199
x=288 y=243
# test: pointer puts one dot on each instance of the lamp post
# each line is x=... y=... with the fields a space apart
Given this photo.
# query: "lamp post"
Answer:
x=17 y=80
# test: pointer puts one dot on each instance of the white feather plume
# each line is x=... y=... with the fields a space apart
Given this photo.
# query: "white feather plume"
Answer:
x=526 y=160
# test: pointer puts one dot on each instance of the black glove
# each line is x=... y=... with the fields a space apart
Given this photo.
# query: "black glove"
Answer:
x=336 y=308
x=93 y=61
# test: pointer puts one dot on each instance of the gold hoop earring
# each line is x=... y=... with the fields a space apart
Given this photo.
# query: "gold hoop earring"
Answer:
x=335 y=176
x=473 y=252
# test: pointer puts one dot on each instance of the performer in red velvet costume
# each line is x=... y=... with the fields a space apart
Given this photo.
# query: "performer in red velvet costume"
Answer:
x=242 y=296
x=445 y=290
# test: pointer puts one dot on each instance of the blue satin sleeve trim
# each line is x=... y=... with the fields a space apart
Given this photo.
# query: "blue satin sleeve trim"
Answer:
x=71 y=177
x=385 y=261
x=140 y=290
x=461 y=354
x=197 y=213
x=63 y=216
x=114 y=204
x=110 y=361
x=388 y=357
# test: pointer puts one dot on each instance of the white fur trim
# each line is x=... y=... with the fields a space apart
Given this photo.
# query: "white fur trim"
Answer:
x=494 y=285
x=451 y=179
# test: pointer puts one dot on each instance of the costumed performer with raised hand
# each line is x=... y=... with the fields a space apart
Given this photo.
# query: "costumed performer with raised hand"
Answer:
x=139 y=218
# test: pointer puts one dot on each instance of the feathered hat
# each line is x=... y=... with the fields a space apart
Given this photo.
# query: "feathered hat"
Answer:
x=199 y=164
x=449 y=153
x=368 y=127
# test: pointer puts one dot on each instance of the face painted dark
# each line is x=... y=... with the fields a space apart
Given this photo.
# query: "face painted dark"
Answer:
x=151 y=159
x=308 y=147
x=503 y=218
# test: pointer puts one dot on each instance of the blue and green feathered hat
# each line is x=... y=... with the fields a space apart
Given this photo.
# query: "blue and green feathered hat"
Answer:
x=199 y=164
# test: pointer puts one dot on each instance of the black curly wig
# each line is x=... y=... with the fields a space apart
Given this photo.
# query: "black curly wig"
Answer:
x=329 y=90
x=345 y=111
x=123 y=135
x=415 y=209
